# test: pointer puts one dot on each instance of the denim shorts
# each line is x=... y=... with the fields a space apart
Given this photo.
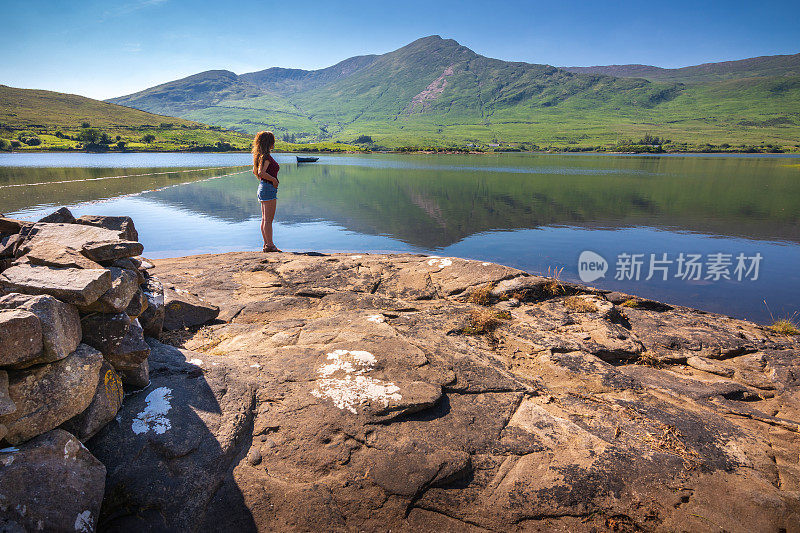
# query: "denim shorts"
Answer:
x=267 y=191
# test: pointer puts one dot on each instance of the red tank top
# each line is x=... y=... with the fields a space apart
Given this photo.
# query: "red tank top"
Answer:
x=272 y=167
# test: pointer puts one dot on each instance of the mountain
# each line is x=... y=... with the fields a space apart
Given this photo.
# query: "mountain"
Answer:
x=21 y=108
x=435 y=91
x=763 y=66
x=26 y=113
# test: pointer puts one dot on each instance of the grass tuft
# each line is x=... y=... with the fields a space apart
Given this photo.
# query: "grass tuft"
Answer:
x=580 y=305
x=633 y=303
x=648 y=359
x=553 y=285
x=785 y=326
x=485 y=321
x=481 y=295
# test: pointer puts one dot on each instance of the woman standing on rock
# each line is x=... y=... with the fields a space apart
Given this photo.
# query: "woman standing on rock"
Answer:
x=266 y=170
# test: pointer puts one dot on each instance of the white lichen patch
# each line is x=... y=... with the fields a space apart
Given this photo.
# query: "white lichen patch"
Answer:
x=485 y=264
x=344 y=382
x=154 y=417
x=440 y=262
x=378 y=319
x=196 y=362
x=356 y=256
x=83 y=522
x=71 y=448
x=255 y=365
x=6 y=460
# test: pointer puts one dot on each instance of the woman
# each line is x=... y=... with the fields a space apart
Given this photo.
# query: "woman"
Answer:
x=266 y=170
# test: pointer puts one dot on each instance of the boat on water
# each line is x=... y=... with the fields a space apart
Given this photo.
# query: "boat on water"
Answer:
x=306 y=159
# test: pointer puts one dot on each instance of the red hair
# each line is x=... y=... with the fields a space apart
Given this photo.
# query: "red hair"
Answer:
x=262 y=144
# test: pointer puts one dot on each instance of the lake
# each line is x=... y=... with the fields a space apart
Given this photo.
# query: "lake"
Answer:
x=729 y=225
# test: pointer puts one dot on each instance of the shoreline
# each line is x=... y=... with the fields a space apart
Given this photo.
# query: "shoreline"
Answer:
x=792 y=154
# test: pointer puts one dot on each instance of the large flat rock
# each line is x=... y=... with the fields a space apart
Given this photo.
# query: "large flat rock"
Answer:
x=74 y=236
x=371 y=392
x=72 y=285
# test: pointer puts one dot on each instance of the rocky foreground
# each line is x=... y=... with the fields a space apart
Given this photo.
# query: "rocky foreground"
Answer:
x=402 y=392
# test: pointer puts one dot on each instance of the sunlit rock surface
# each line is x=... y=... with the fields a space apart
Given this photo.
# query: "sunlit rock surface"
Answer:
x=400 y=392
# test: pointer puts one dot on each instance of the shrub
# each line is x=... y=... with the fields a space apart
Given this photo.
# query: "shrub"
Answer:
x=5 y=145
x=85 y=125
x=363 y=139
x=148 y=138
x=121 y=144
x=15 y=144
x=89 y=135
x=32 y=141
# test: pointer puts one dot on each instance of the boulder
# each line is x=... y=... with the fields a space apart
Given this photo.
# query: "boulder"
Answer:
x=51 y=253
x=8 y=245
x=122 y=343
x=60 y=323
x=71 y=235
x=117 y=298
x=123 y=225
x=132 y=264
x=105 y=404
x=105 y=332
x=20 y=337
x=138 y=304
x=6 y=403
x=112 y=249
x=11 y=225
x=152 y=319
x=49 y=395
x=183 y=309
x=135 y=375
x=62 y=215
x=72 y=285
x=3 y=431
x=51 y=483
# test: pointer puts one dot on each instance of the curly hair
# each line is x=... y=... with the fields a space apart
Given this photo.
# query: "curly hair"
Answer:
x=263 y=142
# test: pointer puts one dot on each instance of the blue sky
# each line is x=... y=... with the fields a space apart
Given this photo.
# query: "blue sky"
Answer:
x=106 y=49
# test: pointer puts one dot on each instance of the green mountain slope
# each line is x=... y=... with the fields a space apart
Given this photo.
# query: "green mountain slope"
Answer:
x=38 y=114
x=435 y=92
x=780 y=65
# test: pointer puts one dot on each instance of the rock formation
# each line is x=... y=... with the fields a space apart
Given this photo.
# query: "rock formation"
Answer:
x=71 y=293
x=408 y=393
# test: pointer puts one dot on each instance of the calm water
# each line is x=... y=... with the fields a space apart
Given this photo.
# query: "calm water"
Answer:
x=535 y=212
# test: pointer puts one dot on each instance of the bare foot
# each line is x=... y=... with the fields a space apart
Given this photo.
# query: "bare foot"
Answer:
x=270 y=248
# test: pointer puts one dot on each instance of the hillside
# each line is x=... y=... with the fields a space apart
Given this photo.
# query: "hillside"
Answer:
x=57 y=120
x=764 y=66
x=436 y=92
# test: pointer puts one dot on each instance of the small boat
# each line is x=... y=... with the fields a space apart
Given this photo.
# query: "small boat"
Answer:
x=306 y=159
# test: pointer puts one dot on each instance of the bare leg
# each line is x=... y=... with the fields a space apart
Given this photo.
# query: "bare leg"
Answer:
x=267 y=216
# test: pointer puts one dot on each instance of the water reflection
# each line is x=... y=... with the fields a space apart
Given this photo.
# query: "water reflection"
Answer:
x=529 y=211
